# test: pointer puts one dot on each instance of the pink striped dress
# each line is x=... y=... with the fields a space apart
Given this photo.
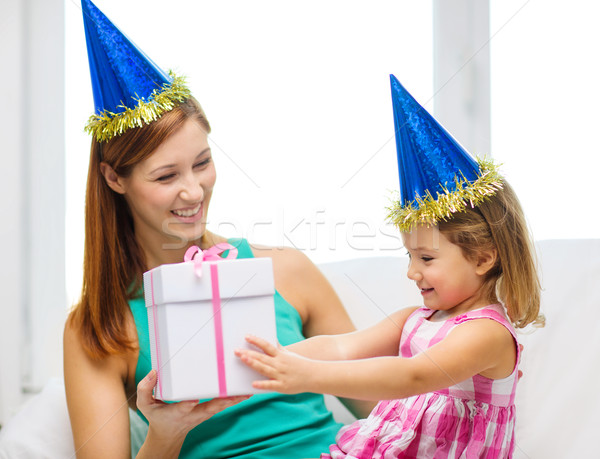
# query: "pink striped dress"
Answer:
x=472 y=419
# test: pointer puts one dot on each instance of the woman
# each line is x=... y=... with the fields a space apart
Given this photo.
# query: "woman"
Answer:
x=150 y=181
x=148 y=190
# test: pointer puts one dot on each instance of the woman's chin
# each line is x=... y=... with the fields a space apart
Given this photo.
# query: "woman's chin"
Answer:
x=188 y=236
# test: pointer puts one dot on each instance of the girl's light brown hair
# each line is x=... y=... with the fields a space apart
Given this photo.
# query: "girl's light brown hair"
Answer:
x=113 y=262
x=499 y=224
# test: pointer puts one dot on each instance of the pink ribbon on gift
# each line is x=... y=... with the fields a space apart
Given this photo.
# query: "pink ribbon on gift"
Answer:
x=156 y=340
x=197 y=255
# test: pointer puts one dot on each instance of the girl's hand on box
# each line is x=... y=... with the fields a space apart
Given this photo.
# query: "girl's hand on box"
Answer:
x=176 y=419
x=288 y=373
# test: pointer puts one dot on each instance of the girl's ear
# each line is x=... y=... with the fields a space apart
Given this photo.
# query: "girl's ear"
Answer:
x=112 y=179
x=485 y=261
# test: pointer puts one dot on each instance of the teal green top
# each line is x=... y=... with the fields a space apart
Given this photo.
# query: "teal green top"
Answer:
x=268 y=425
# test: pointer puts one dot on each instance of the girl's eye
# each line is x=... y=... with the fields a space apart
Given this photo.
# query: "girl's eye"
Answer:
x=426 y=258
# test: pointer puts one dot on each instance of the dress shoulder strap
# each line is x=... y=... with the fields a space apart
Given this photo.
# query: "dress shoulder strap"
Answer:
x=495 y=312
x=244 y=249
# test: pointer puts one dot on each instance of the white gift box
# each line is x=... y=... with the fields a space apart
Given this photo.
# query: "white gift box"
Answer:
x=196 y=322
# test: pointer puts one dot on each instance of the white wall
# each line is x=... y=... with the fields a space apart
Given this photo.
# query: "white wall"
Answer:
x=32 y=197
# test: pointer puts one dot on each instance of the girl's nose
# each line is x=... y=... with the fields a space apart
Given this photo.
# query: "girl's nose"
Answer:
x=413 y=273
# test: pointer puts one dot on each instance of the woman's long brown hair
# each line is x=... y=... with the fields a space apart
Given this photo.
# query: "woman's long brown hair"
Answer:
x=113 y=262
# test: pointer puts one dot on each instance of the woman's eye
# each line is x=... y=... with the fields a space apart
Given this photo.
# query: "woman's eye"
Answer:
x=202 y=163
x=164 y=178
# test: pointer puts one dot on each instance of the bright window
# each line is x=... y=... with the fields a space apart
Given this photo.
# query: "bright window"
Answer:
x=545 y=73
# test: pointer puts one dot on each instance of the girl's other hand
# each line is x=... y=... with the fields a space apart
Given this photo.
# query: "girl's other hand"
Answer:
x=288 y=373
x=177 y=419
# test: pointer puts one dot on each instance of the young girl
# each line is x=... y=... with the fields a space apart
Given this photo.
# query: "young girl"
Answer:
x=445 y=373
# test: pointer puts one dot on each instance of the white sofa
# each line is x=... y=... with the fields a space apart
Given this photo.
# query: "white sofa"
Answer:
x=557 y=403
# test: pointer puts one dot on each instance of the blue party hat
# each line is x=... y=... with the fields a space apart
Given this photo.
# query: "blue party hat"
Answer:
x=437 y=176
x=129 y=89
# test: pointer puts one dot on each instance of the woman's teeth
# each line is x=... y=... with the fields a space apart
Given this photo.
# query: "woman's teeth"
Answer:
x=188 y=213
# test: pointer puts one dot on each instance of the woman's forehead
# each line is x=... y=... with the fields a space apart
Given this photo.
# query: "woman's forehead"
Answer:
x=188 y=142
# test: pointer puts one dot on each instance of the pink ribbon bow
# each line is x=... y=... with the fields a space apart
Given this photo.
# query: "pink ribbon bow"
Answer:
x=197 y=255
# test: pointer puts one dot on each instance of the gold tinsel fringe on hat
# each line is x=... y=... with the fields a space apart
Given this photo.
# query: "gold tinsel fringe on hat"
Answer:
x=107 y=125
x=429 y=210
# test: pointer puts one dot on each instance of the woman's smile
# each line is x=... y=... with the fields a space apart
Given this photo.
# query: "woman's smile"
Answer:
x=189 y=214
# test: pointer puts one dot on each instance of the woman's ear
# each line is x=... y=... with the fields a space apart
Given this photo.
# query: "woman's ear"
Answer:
x=112 y=179
x=485 y=261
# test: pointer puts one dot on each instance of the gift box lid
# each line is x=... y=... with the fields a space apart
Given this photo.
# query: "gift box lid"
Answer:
x=178 y=282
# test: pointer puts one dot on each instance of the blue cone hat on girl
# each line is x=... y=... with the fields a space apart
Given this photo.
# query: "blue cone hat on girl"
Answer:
x=129 y=89
x=437 y=176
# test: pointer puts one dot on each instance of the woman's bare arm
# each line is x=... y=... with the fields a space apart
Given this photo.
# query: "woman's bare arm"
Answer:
x=96 y=400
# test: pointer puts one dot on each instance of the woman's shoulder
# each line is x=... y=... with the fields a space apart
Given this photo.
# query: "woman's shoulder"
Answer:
x=285 y=258
x=291 y=269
